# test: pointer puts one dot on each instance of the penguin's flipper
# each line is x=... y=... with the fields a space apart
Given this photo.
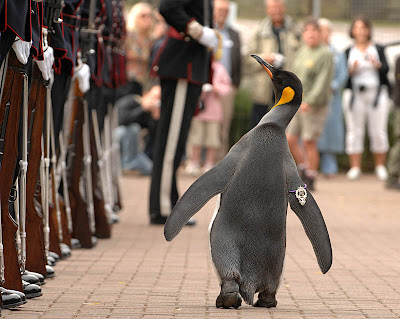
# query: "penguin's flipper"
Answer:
x=198 y=194
x=314 y=225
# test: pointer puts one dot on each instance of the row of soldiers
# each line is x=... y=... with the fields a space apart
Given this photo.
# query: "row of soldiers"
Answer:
x=61 y=63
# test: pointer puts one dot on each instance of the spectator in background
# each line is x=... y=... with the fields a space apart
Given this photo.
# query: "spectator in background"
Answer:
x=276 y=41
x=206 y=126
x=313 y=65
x=367 y=101
x=134 y=113
x=393 y=162
x=139 y=40
x=331 y=141
x=231 y=60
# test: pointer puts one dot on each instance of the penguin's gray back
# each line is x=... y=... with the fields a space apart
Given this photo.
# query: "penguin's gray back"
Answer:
x=248 y=234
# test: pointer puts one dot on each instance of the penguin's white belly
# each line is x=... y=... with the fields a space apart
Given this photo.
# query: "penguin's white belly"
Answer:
x=216 y=210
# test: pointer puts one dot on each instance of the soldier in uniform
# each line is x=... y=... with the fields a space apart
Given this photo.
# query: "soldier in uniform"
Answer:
x=183 y=66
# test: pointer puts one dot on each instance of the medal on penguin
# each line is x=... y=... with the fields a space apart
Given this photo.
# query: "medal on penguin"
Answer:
x=255 y=182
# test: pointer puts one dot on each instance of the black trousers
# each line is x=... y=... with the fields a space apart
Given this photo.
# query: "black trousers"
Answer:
x=257 y=113
x=178 y=103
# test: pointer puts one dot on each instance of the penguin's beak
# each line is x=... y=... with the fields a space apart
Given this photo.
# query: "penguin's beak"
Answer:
x=268 y=67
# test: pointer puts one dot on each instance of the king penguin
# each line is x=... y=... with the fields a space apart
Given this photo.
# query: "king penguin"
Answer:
x=255 y=182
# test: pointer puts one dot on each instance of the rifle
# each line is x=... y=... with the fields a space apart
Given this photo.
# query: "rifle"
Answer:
x=35 y=258
x=88 y=166
x=115 y=159
x=102 y=206
x=20 y=213
x=109 y=162
x=56 y=231
x=9 y=109
x=95 y=204
x=82 y=225
x=52 y=12
x=66 y=219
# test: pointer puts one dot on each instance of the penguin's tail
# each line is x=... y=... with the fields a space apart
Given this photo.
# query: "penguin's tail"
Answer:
x=202 y=190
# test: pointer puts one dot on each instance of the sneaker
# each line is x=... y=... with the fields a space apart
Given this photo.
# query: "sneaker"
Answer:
x=381 y=172
x=353 y=173
x=193 y=169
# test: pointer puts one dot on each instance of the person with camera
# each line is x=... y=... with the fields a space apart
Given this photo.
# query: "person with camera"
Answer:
x=366 y=103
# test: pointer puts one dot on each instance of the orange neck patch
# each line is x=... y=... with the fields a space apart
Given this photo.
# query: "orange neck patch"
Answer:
x=287 y=96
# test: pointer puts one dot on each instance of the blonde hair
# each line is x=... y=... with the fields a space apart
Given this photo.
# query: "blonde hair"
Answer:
x=326 y=23
x=133 y=14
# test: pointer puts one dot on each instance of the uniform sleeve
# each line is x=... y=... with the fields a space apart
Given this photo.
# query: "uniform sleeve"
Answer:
x=175 y=14
x=322 y=81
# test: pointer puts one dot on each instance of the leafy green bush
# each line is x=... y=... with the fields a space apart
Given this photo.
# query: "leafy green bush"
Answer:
x=241 y=116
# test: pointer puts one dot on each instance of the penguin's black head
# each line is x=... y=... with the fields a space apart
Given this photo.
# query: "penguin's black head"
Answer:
x=287 y=86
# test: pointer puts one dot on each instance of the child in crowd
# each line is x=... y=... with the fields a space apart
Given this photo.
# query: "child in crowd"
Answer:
x=206 y=126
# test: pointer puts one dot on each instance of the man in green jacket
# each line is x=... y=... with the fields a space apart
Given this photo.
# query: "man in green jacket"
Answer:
x=313 y=64
x=276 y=40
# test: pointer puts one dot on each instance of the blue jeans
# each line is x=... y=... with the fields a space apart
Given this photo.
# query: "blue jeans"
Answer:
x=131 y=157
x=328 y=163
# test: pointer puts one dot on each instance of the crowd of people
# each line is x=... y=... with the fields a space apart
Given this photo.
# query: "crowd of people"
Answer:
x=344 y=93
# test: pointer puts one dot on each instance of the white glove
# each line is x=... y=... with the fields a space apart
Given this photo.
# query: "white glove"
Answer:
x=22 y=50
x=46 y=66
x=207 y=87
x=209 y=38
x=204 y=35
x=82 y=74
x=279 y=60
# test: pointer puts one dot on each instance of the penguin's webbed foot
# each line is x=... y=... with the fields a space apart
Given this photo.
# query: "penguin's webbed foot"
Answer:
x=229 y=300
x=266 y=300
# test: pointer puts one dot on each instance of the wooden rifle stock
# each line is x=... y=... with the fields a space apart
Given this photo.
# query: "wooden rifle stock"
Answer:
x=35 y=259
x=80 y=218
x=53 y=223
x=56 y=235
x=64 y=223
x=9 y=113
x=63 y=205
x=113 y=115
x=103 y=227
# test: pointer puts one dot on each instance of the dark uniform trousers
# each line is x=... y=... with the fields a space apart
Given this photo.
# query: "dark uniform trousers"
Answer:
x=179 y=100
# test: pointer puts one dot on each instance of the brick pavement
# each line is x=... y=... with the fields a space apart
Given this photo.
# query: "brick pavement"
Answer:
x=137 y=274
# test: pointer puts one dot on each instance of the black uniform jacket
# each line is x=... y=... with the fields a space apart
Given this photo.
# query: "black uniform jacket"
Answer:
x=16 y=16
x=24 y=19
x=180 y=56
x=70 y=33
